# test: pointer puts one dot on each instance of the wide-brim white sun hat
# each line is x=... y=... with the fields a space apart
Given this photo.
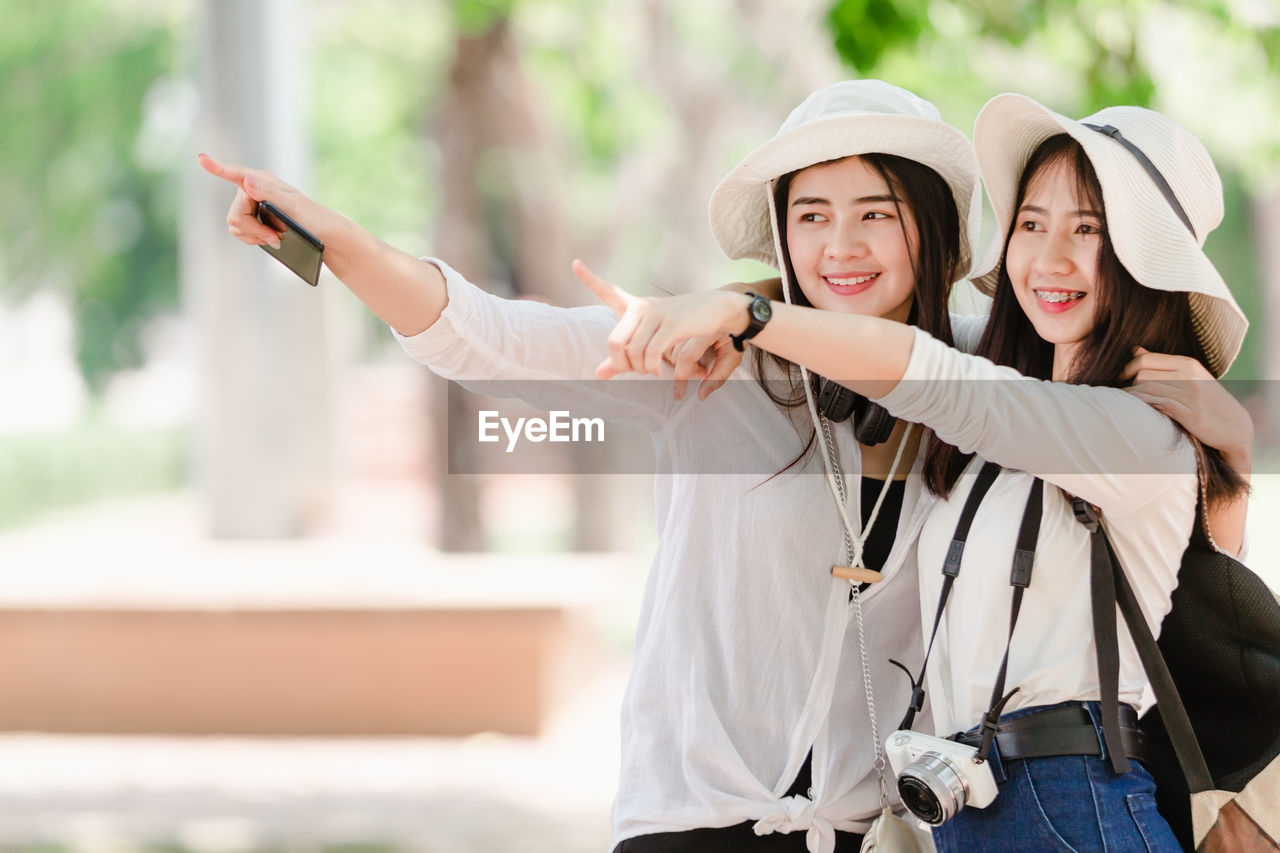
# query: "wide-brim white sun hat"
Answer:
x=1158 y=248
x=846 y=119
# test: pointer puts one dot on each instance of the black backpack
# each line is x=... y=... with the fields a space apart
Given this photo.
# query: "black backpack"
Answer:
x=1221 y=645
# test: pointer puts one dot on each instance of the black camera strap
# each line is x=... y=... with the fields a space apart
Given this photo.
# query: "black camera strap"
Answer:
x=1019 y=578
x=1024 y=555
x=950 y=571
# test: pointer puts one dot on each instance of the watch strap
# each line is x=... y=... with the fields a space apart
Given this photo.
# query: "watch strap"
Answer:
x=754 y=323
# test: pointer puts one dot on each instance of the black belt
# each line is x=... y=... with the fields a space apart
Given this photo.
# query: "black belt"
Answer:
x=1061 y=731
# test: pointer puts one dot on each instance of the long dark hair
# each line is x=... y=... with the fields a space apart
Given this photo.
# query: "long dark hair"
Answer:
x=935 y=262
x=1127 y=315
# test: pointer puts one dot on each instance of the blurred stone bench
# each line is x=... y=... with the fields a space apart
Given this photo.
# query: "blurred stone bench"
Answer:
x=315 y=637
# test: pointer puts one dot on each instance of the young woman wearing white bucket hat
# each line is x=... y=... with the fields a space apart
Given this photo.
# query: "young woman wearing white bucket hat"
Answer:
x=745 y=723
x=1103 y=223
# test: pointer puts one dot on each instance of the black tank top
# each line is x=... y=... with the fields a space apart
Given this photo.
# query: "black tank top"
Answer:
x=876 y=549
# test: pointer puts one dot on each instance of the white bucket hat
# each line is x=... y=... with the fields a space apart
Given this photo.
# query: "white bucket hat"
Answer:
x=843 y=120
x=1158 y=238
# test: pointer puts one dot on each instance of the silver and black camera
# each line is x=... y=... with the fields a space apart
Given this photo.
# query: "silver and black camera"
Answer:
x=938 y=777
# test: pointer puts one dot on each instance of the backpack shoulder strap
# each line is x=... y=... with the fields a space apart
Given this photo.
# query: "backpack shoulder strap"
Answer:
x=1110 y=587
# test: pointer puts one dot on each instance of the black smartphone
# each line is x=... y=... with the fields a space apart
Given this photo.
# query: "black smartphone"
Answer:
x=299 y=250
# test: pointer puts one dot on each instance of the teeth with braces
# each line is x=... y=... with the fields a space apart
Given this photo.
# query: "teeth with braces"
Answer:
x=1058 y=296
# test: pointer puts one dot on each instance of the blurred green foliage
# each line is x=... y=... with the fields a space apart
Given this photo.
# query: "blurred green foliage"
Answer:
x=476 y=16
x=1078 y=56
x=865 y=29
x=92 y=99
x=85 y=211
x=1094 y=44
x=91 y=461
x=1232 y=248
x=377 y=71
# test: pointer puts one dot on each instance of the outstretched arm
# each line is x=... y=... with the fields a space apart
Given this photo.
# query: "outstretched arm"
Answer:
x=1184 y=390
x=406 y=293
x=1074 y=436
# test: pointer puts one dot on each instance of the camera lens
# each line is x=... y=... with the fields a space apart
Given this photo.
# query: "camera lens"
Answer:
x=920 y=800
x=932 y=790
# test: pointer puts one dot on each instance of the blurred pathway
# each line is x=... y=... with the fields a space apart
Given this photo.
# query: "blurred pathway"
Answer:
x=221 y=795
x=490 y=792
x=229 y=795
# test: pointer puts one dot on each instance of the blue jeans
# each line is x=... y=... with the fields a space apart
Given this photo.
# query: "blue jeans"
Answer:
x=1062 y=803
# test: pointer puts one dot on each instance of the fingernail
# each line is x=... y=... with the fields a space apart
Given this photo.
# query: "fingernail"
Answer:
x=275 y=242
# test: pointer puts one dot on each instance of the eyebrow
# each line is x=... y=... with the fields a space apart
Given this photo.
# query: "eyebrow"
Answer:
x=866 y=199
x=1035 y=208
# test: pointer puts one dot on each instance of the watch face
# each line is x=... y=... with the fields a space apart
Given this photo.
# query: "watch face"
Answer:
x=762 y=310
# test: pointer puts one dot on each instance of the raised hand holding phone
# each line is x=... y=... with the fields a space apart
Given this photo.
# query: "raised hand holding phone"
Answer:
x=405 y=292
x=297 y=248
x=260 y=215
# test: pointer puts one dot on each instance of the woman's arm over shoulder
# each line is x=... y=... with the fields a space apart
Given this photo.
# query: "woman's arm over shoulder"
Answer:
x=1098 y=443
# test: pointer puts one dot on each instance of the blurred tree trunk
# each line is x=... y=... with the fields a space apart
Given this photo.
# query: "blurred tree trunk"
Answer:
x=462 y=238
x=501 y=221
x=264 y=429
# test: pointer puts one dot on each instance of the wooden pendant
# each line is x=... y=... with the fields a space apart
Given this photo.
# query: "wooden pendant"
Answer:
x=861 y=574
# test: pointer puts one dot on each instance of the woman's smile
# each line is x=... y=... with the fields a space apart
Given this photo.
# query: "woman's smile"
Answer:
x=1058 y=301
x=850 y=283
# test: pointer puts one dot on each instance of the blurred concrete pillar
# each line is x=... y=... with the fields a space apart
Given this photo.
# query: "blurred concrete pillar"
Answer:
x=263 y=448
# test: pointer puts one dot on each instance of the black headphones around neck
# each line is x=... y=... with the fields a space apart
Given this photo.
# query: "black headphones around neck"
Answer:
x=872 y=423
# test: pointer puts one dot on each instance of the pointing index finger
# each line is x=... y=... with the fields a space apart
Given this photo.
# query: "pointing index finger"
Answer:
x=615 y=298
x=234 y=174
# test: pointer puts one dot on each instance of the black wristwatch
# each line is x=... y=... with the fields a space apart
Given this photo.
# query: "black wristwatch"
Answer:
x=759 y=311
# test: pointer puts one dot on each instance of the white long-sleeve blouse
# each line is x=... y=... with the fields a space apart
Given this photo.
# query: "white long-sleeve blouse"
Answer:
x=1100 y=444
x=745 y=652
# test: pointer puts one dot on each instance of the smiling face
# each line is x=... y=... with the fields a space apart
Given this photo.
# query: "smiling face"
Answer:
x=1052 y=260
x=847 y=243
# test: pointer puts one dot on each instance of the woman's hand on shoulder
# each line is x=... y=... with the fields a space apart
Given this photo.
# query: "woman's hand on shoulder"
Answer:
x=1182 y=388
x=672 y=329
